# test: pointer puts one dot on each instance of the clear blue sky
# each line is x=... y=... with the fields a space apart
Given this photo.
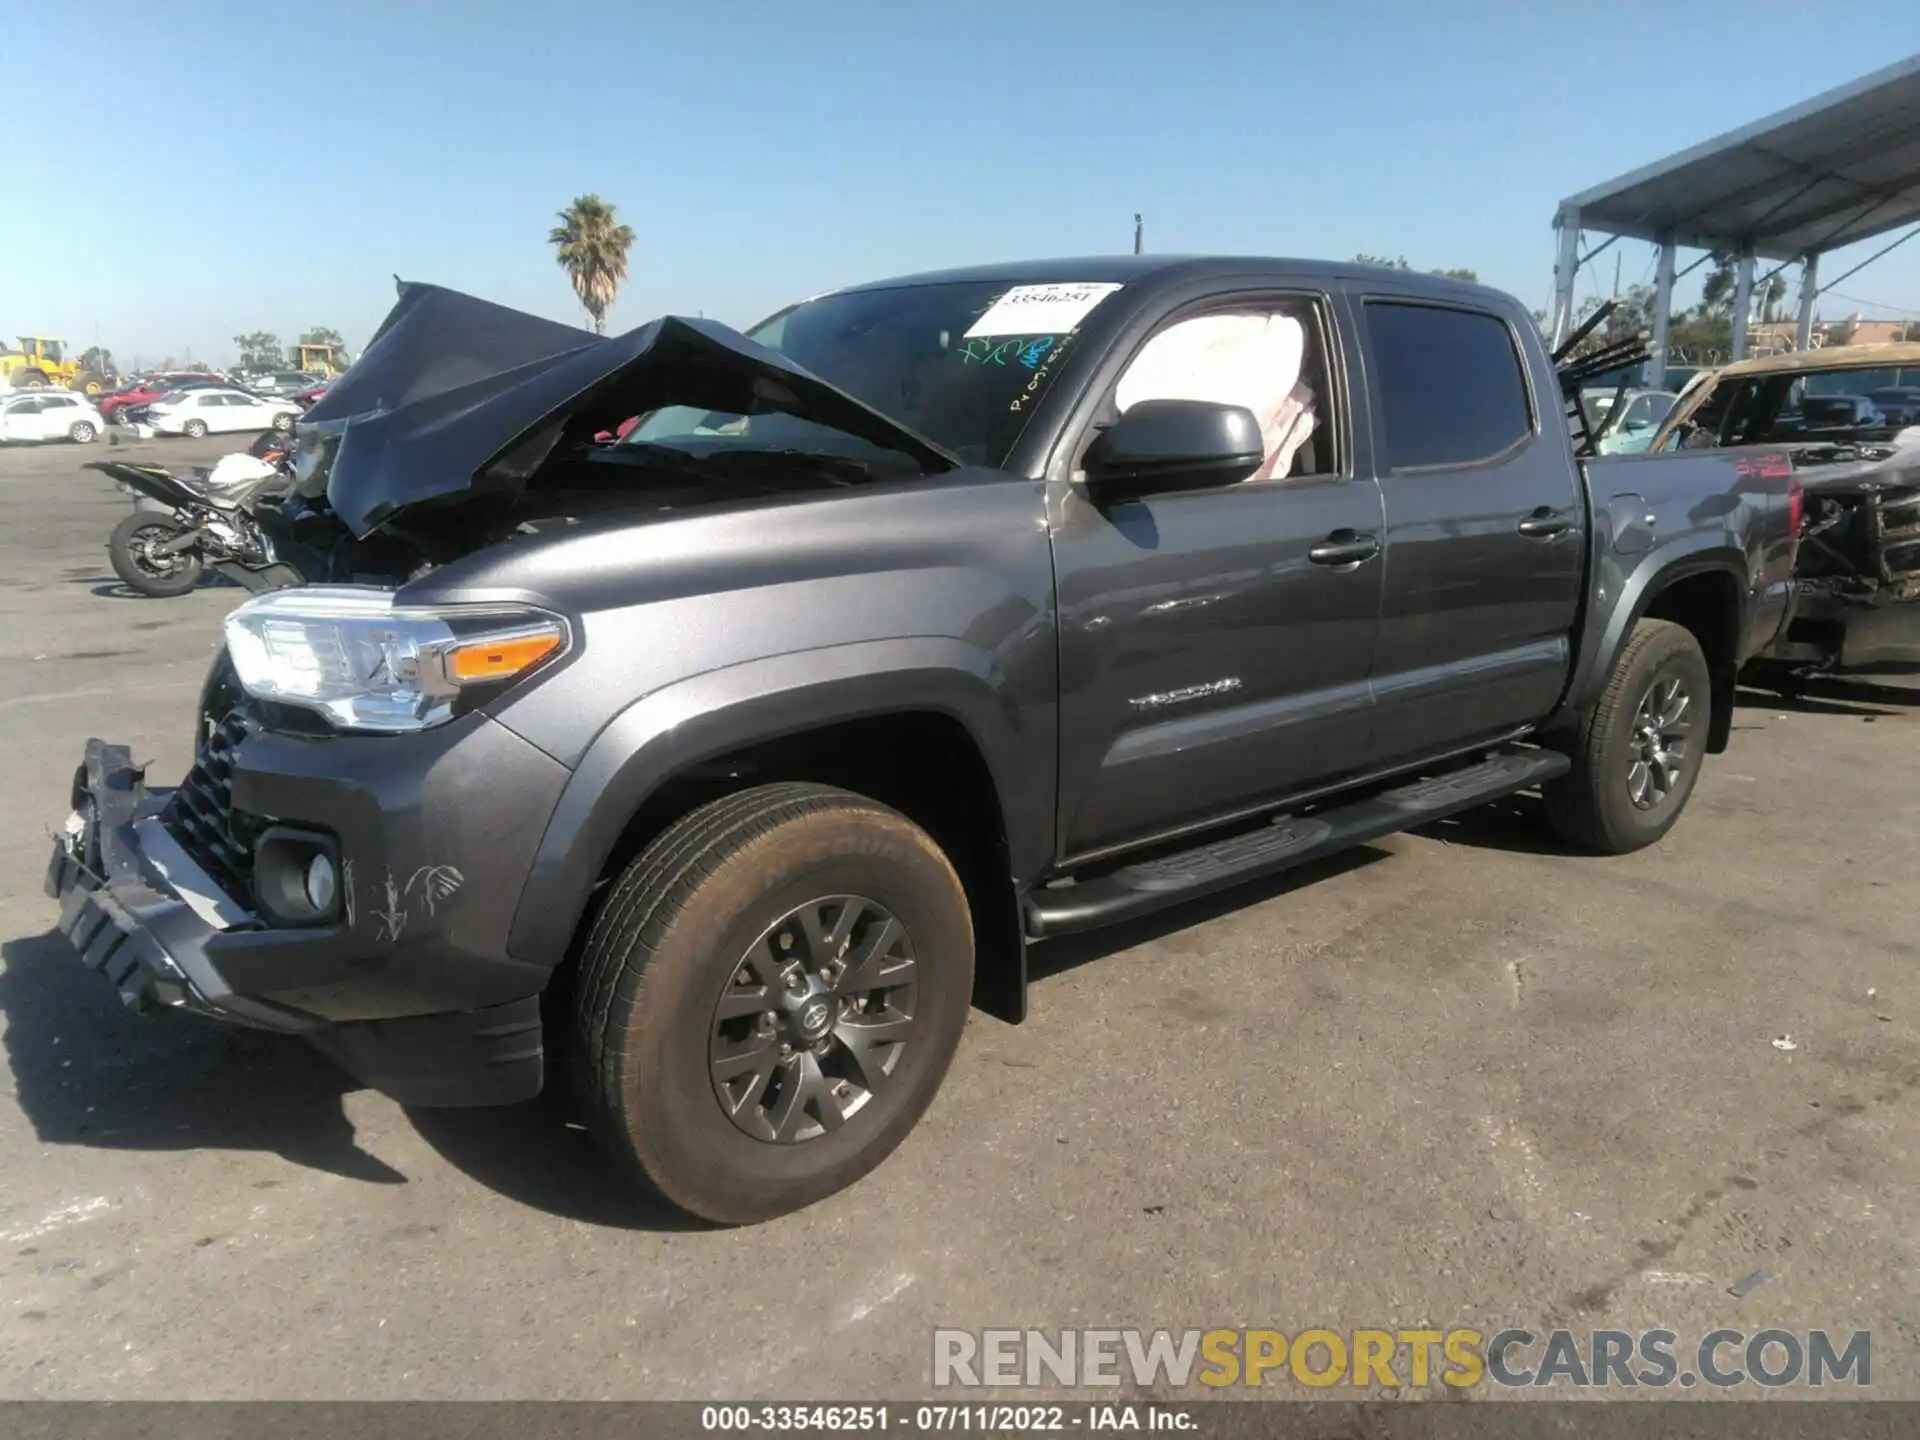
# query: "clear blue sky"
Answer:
x=222 y=167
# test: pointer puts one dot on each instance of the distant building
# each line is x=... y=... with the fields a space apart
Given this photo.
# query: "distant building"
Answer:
x=1769 y=337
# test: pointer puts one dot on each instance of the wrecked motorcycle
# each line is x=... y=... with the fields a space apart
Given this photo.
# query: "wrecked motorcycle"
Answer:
x=182 y=525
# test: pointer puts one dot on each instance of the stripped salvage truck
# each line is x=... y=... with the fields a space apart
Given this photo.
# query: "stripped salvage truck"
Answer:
x=1856 y=600
x=1856 y=605
x=722 y=763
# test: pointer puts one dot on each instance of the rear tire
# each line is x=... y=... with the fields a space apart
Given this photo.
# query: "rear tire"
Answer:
x=722 y=944
x=1638 y=753
x=127 y=550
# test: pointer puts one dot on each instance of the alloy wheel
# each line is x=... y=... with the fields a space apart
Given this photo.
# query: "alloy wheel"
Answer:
x=814 y=1020
x=1659 y=745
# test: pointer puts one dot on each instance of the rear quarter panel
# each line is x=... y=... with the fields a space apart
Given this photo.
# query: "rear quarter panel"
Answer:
x=1662 y=518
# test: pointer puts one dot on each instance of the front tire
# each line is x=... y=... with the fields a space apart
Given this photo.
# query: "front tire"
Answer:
x=128 y=548
x=283 y=422
x=1638 y=753
x=82 y=432
x=769 y=999
x=194 y=429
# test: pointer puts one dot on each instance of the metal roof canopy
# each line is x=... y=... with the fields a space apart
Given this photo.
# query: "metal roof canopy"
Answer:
x=1830 y=172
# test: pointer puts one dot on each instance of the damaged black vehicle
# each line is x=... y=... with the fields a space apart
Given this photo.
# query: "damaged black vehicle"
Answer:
x=715 y=718
x=1835 y=418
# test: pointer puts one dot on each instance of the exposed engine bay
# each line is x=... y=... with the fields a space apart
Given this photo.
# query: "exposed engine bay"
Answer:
x=465 y=423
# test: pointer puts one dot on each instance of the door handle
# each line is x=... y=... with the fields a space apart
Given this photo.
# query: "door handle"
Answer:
x=1543 y=524
x=1344 y=547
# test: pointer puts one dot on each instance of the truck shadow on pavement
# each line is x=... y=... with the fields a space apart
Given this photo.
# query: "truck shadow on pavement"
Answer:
x=541 y=1155
x=1860 y=698
x=1516 y=824
x=87 y=1073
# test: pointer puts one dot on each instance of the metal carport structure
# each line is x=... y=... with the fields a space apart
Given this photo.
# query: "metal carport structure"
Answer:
x=1830 y=172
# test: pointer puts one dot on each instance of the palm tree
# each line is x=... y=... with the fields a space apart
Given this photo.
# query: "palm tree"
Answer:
x=592 y=248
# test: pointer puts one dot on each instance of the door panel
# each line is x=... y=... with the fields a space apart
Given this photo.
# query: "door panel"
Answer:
x=1215 y=644
x=1205 y=661
x=1484 y=557
x=1476 y=616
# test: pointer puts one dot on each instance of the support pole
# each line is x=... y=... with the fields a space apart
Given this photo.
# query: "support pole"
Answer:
x=1662 y=311
x=1809 y=295
x=1565 y=266
x=1742 y=303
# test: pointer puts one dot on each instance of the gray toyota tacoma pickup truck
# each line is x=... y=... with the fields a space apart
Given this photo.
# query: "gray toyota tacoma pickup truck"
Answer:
x=715 y=717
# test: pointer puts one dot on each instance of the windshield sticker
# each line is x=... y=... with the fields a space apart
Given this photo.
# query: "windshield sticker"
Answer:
x=1040 y=309
x=987 y=352
x=1022 y=350
x=1042 y=369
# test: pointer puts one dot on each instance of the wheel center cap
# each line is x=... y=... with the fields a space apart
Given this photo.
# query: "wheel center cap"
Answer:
x=813 y=1019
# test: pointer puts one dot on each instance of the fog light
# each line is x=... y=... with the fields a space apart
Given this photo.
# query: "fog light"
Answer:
x=321 y=884
x=296 y=875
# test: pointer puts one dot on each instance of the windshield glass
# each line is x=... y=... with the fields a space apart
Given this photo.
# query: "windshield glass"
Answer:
x=907 y=353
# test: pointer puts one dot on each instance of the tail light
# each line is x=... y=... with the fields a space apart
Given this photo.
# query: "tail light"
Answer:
x=1796 y=506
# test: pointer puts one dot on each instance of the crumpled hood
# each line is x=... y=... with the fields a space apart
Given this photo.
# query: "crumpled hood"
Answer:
x=456 y=395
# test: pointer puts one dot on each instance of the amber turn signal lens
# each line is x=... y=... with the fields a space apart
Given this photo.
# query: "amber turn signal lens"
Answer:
x=479 y=660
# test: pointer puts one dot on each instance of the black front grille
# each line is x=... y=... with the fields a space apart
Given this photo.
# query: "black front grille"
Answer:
x=200 y=814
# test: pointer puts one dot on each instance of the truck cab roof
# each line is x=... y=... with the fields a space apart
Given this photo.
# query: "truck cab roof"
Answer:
x=1170 y=270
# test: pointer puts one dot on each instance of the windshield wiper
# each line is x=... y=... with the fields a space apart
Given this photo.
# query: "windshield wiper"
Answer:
x=844 y=466
x=660 y=457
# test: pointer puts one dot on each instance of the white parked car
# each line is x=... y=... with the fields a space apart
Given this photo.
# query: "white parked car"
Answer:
x=48 y=415
x=194 y=413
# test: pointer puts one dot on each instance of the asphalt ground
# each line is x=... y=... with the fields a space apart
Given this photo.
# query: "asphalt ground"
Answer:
x=1460 y=1078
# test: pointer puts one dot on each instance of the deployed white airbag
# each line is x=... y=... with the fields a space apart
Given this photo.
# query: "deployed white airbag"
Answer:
x=1250 y=360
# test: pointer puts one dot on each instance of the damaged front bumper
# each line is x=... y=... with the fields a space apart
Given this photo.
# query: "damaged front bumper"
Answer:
x=404 y=979
x=135 y=904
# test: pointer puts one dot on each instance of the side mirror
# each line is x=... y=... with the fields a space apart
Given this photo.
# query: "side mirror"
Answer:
x=1166 y=445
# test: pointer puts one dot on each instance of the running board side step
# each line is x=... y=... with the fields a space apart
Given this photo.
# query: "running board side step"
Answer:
x=1289 y=841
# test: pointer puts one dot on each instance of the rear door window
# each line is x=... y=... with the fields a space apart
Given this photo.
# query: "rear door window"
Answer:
x=1450 y=382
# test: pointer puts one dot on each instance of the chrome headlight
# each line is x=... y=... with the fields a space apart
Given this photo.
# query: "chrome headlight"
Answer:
x=352 y=655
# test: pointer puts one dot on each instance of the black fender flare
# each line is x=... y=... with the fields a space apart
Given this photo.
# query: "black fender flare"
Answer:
x=1606 y=632
x=709 y=715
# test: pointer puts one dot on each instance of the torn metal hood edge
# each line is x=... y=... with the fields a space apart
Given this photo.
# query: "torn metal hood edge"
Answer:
x=488 y=433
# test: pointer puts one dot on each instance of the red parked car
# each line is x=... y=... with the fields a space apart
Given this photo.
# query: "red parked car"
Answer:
x=145 y=392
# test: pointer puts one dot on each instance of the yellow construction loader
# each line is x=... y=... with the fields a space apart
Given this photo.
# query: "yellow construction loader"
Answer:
x=327 y=360
x=40 y=363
